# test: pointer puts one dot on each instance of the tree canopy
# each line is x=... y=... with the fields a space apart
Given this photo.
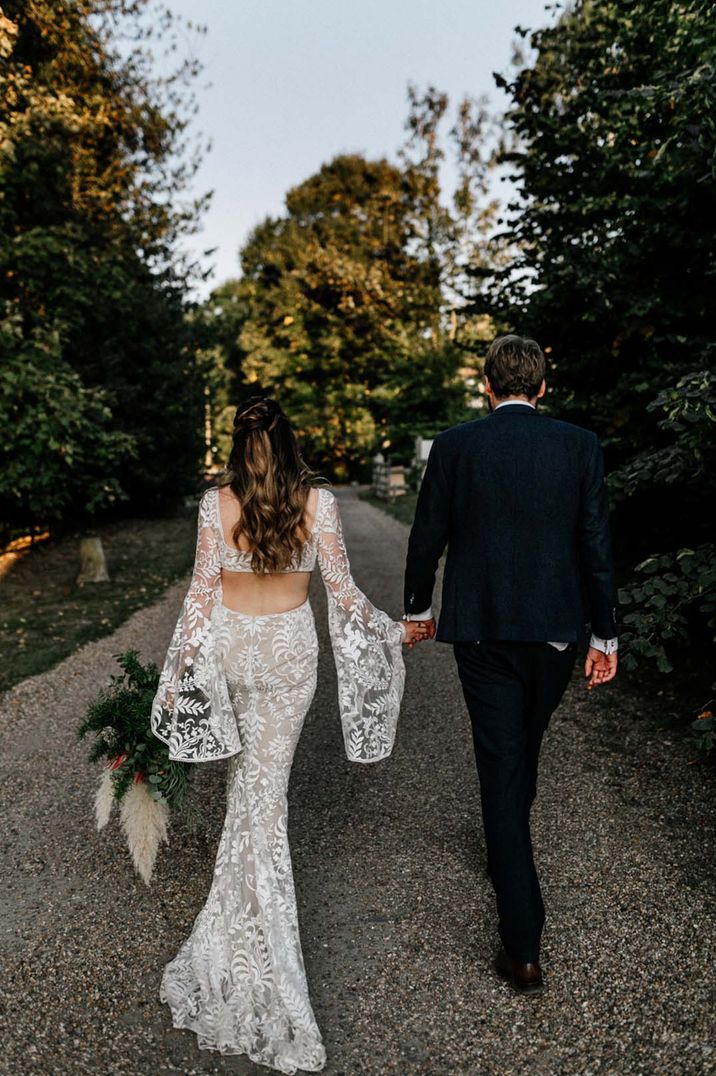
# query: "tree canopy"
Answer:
x=342 y=316
x=97 y=371
x=346 y=304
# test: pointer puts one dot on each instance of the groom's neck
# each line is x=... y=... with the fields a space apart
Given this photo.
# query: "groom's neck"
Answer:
x=497 y=401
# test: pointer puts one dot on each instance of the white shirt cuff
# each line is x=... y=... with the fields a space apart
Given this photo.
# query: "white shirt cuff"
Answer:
x=427 y=615
x=607 y=646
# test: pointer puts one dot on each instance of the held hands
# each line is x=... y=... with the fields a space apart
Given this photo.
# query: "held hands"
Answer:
x=599 y=668
x=417 y=631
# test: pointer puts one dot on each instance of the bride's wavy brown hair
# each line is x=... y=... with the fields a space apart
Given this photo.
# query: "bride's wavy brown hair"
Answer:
x=270 y=480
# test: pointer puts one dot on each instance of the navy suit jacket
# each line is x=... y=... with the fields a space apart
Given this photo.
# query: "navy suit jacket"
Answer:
x=520 y=500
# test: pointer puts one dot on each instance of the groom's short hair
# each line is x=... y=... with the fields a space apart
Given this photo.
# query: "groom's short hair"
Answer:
x=515 y=366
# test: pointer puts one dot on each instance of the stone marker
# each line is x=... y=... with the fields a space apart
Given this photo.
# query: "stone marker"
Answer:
x=93 y=566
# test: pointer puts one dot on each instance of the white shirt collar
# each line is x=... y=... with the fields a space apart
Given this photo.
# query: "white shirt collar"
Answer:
x=522 y=403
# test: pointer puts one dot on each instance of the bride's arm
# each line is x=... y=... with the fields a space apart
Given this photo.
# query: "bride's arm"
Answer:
x=192 y=711
x=336 y=571
x=366 y=646
x=205 y=586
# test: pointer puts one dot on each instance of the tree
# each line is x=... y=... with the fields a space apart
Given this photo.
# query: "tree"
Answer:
x=344 y=316
x=451 y=234
x=94 y=161
x=62 y=451
x=218 y=325
x=347 y=304
x=614 y=129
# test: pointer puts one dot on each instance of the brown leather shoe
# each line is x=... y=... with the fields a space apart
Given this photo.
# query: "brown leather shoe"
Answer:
x=525 y=978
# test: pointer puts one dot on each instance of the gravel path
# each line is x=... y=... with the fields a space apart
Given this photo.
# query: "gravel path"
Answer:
x=396 y=911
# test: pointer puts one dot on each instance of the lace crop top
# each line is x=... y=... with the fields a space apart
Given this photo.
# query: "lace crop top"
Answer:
x=239 y=560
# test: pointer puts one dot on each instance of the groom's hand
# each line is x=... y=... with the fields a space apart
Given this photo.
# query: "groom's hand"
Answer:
x=599 y=668
x=416 y=631
x=429 y=627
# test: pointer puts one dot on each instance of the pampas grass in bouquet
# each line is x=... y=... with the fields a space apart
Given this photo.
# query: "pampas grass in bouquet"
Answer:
x=138 y=774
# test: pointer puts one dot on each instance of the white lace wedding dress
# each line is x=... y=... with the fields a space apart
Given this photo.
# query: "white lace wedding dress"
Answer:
x=238 y=686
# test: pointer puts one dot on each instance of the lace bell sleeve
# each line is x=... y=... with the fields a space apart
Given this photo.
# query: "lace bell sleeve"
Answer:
x=367 y=647
x=192 y=710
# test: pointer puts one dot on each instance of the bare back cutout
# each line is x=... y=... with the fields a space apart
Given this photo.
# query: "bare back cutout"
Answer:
x=261 y=595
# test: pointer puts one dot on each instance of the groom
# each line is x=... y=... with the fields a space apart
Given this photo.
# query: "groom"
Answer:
x=520 y=501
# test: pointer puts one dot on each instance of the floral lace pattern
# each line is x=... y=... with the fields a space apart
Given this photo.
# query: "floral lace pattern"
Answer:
x=192 y=711
x=367 y=647
x=238 y=981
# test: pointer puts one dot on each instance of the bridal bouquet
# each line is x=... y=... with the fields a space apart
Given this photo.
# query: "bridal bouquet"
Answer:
x=137 y=774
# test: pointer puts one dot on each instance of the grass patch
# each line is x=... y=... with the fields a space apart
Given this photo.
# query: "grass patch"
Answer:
x=402 y=508
x=45 y=615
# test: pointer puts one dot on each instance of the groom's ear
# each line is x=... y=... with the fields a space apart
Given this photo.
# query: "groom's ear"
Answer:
x=489 y=394
x=542 y=389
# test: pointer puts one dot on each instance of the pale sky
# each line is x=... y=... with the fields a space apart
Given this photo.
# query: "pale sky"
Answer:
x=295 y=82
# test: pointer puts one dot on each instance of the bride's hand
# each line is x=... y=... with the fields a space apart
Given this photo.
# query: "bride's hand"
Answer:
x=415 y=632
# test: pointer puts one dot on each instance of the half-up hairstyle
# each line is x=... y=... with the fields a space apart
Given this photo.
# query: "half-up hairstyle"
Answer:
x=271 y=482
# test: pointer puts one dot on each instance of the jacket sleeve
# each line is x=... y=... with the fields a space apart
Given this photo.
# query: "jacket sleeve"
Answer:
x=192 y=710
x=367 y=647
x=594 y=540
x=428 y=534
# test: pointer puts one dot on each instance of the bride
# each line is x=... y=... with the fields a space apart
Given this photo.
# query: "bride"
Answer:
x=238 y=679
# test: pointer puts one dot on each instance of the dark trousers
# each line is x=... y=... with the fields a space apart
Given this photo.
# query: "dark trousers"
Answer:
x=511 y=690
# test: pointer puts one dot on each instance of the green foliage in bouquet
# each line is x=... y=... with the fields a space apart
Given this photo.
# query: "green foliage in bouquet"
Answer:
x=119 y=718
